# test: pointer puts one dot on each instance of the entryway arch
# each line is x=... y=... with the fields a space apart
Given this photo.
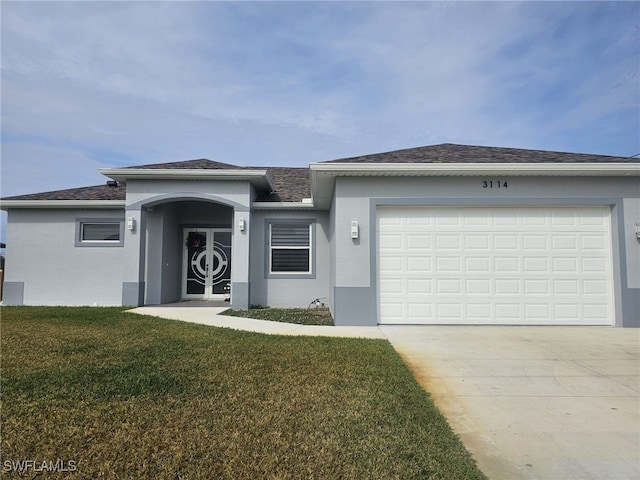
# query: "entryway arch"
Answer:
x=189 y=244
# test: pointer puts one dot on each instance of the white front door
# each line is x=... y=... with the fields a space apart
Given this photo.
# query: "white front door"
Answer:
x=206 y=263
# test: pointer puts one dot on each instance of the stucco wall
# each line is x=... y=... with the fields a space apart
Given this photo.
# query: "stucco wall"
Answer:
x=44 y=262
x=148 y=191
x=356 y=198
x=45 y=267
x=332 y=254
x=631 y=216
x=171 y=258
x=288 y=292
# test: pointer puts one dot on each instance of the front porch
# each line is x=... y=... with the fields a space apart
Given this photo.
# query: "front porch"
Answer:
x=192 y=255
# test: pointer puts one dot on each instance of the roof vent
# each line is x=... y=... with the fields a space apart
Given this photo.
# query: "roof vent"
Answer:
x=112 y=183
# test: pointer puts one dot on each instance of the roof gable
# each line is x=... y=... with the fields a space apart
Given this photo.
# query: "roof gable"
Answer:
x=198 y=164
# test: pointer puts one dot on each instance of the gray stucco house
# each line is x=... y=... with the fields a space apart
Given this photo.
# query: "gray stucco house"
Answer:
x=447 y=234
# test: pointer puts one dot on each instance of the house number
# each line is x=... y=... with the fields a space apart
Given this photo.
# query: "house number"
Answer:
x=494 y=184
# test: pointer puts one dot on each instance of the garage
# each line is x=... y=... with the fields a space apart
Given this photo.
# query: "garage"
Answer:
x=495 y=265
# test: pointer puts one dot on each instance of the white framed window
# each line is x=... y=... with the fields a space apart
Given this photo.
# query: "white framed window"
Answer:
x=99 y=232
x=290 y=247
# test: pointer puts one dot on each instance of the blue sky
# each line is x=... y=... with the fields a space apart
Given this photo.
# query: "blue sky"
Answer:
x=105 y=84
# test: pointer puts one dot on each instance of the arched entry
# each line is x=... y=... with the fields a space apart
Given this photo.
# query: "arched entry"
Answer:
x=189 y=249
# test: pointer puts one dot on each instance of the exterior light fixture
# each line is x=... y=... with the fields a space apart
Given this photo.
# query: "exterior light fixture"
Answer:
x=354 y=229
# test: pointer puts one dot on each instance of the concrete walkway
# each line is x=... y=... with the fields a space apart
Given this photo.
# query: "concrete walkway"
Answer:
x=211 y=316
x=545 y=403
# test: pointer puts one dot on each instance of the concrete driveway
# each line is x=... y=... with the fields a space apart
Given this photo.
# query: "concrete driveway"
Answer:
x=534 y=402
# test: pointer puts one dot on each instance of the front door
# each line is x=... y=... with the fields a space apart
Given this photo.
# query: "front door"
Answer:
x=206 y=263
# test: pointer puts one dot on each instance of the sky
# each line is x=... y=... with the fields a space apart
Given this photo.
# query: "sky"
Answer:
x=94 y=84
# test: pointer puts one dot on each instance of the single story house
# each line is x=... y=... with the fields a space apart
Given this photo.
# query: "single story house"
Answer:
x=442 y=234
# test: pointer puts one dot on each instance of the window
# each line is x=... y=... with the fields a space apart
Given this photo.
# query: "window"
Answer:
x=102 y=232
x=290 y=247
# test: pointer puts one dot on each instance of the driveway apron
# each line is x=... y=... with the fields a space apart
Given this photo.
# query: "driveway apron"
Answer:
x=534 y=402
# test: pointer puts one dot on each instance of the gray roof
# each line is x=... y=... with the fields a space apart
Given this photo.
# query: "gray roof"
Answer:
x=293 y=184
x=452 y=153
x=289 y=185
x=97 y=192
x=199 y=164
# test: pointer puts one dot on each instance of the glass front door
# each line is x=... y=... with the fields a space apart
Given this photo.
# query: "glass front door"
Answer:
x=206 y=263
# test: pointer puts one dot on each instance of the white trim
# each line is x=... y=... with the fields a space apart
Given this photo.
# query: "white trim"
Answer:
x=282 y=205
x=259 y=178
x=181 y=172
x=470 y=169
x=5 y=204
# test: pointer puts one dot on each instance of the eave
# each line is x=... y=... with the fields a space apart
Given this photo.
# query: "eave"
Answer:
x=99 y=204
x=258 y=178
x=323 y=175
x=283 y=206
x=473 y=169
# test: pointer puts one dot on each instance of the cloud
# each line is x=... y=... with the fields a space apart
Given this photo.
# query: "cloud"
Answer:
x=48 y=167
x=118 y=83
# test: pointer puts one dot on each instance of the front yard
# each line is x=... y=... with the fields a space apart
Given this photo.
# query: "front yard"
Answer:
x=301 y=316
x=116 y=395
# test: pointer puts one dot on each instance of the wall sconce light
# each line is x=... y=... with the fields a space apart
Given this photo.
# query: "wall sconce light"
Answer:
x=131 y=223
x=354 y=229
x=241 y=224
x=637 y=229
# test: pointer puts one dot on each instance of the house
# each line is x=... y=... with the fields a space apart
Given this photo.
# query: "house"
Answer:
x=447 y=234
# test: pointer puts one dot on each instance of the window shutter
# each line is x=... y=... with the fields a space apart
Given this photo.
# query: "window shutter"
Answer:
x=290 y=260
x=289 y=235
x=290 y=248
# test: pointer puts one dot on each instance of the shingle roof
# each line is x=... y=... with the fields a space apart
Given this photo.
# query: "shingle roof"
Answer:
x=198 y=164
x=97 y=192
x=289 y=185
x=292 y=184
x=452 y=153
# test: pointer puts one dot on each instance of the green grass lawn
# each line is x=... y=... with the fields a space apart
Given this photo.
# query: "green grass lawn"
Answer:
x=127 y=396
x=302 y=316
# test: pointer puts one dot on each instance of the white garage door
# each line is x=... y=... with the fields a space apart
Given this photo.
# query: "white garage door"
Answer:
x=492 y=265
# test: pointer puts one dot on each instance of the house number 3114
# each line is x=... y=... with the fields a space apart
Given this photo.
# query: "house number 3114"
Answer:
x=494 y=184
